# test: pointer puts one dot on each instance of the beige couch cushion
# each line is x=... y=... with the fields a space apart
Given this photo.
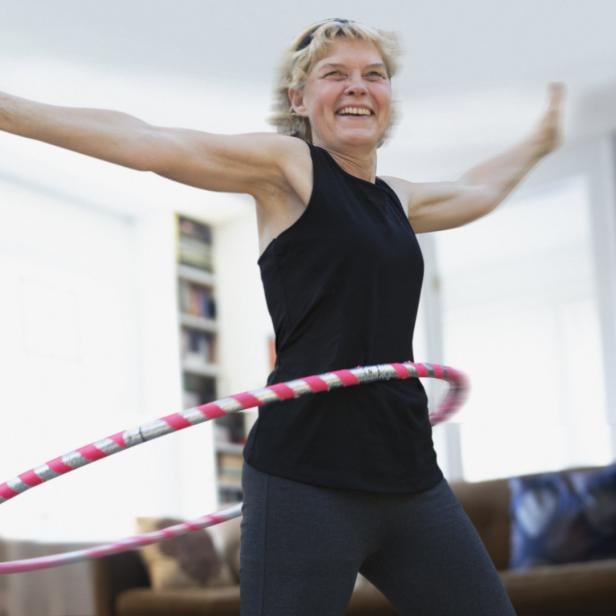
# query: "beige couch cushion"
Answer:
x=223 y=601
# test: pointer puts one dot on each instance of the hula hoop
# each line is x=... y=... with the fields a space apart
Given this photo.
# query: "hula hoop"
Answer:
x=455 y=397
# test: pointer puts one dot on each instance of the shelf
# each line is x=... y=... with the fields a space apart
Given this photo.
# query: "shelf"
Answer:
x=199 y=338
x=196 y=322
x=194 y=274
x=227 y=485
x=229 y=448
x=200 y=368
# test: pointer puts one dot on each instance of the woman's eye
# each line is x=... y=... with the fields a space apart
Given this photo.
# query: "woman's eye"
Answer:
x=341 y=74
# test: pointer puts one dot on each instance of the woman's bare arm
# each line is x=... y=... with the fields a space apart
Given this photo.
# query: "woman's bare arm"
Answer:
x=228 y=163
x=435 y=206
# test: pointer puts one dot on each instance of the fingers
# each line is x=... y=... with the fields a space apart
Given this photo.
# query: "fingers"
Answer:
x=557 y=92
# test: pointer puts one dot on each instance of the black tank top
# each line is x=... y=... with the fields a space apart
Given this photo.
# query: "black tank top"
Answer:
x=342 y=287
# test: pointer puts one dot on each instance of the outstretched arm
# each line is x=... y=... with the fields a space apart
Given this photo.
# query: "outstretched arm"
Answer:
x=230 y=163
x=109 y=135
x=434 y=206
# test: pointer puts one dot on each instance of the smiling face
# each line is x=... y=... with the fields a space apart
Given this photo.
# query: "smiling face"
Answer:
x=349 y=81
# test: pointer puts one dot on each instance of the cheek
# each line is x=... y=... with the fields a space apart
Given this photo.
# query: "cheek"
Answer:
x=327 y=95
x=383 y=95
x=385 y=105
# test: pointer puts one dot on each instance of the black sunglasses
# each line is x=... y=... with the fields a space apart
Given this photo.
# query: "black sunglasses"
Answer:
x=306 y=40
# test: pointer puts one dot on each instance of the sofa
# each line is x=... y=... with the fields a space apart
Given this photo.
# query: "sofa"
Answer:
x=122 y=586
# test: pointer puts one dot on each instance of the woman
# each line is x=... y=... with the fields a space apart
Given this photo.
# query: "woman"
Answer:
x=347 y=481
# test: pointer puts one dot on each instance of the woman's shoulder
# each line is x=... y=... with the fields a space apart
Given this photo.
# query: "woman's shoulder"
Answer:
x=283 y=146
x=294 y=160
x=291 y=187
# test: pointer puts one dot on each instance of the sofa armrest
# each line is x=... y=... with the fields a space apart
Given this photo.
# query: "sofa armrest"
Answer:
x=487 y=505
x=112 y=575
x=580 y=588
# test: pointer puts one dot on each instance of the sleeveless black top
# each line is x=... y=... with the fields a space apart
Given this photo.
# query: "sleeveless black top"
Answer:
x=342 y=287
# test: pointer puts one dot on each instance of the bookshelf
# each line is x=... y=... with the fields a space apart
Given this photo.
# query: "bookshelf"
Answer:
x=199 y=333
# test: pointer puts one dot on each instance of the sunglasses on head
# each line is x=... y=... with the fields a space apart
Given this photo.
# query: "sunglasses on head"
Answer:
x=306 y=40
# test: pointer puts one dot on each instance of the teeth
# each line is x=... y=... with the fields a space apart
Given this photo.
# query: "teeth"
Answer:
x=354 y=111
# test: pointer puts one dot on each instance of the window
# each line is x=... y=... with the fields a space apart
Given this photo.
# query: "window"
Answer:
x=520 y=317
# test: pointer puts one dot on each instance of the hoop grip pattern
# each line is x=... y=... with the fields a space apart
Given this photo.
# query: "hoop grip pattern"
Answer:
x=114 y=443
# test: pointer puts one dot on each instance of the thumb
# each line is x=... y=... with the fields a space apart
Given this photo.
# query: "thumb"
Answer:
x=556 y=92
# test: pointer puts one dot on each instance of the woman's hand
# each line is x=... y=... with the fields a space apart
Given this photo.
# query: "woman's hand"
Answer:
x=548 y=134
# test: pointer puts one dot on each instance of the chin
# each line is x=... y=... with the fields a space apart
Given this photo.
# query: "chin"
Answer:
x=360 y=138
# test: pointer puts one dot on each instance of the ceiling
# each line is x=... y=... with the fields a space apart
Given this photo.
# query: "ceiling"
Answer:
x=474 y=74
x=451 y=45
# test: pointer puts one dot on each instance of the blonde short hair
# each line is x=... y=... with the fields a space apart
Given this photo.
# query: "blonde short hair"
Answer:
x=306 y=50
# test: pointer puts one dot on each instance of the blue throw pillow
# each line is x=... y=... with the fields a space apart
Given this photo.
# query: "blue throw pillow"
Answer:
x=563 y=517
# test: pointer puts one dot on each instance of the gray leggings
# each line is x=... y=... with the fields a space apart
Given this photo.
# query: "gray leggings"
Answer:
x=303 y=545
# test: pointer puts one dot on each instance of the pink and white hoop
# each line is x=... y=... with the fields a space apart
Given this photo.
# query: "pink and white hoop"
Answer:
x=453 y=400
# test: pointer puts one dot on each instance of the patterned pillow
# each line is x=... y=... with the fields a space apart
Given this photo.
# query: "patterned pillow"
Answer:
x=563 y=517
x=190 y=560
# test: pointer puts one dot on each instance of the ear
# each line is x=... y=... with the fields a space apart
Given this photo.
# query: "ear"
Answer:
x=296 y=98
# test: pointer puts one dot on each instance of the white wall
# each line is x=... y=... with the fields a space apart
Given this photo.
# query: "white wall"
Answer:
x=244 y=321
x=69 y=358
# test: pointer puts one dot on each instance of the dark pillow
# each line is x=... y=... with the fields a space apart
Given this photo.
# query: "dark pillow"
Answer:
x=563 y=517
x=190 y=560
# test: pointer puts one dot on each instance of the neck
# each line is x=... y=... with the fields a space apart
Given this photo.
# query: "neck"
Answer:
x=360 y=161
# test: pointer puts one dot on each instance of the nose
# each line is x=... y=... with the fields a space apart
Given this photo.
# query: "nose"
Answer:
x=355 y=84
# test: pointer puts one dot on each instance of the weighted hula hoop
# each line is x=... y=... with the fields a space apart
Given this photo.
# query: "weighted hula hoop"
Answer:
x=455 y=397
